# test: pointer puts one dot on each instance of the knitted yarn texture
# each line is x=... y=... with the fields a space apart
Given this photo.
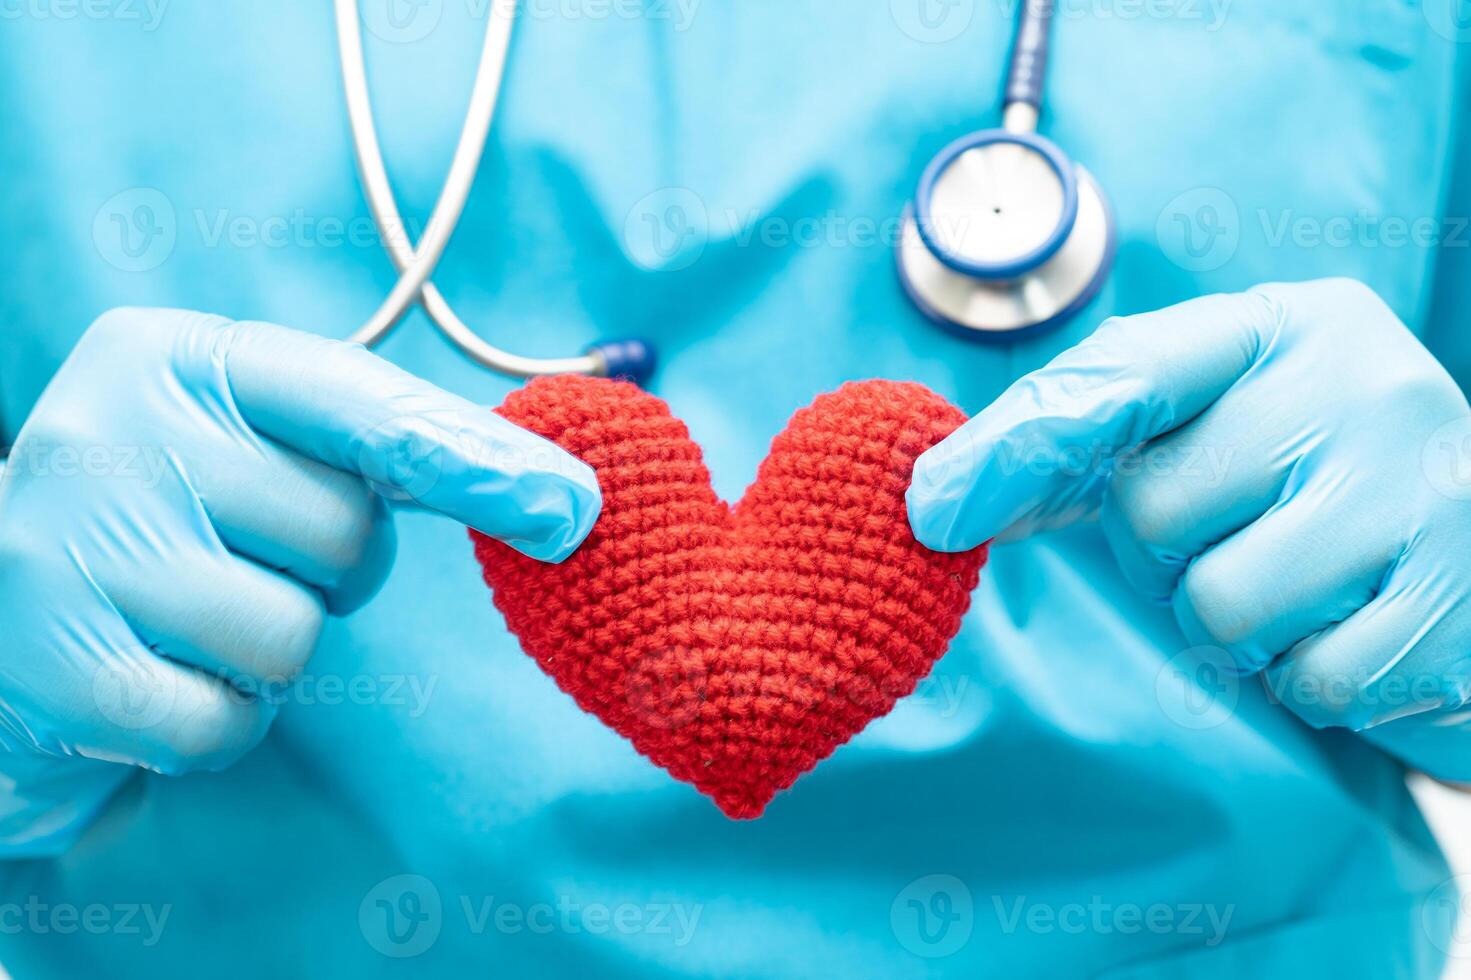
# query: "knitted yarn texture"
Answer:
x=738 y=647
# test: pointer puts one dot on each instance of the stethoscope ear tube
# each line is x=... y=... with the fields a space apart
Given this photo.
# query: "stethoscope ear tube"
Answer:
x=633 y=359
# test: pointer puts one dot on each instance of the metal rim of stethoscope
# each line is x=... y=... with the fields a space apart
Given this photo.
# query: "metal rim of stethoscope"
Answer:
x=1072 y=281
x=923 y=213
x=1064 y=313
x=633 y=359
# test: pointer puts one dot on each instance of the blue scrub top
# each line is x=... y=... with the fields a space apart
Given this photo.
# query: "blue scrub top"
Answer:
x=1070 y=794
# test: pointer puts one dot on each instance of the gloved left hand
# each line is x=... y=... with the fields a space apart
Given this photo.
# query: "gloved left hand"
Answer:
x=185 y=504
x=1286 y=467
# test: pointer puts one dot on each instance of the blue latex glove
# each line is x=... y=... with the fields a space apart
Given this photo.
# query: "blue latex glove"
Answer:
x=187 y=501
x=1283 y=466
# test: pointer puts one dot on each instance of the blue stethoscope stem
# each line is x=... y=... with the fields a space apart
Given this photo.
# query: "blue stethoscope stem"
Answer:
x=1026 y=77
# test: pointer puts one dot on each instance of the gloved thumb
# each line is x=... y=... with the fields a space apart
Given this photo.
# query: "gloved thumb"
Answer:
x=1038 y=456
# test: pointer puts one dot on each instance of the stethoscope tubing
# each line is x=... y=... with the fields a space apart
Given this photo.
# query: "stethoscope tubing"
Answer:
x=1026 y=76
x=416 y=262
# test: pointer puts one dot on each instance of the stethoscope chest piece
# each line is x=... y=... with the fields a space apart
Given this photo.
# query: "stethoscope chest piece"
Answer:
x=1006 y=236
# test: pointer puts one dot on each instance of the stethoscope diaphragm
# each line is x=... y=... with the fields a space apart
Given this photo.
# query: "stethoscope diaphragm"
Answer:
x=1006 y=236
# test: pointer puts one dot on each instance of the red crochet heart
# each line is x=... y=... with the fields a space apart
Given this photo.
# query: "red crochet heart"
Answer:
x=738 y=648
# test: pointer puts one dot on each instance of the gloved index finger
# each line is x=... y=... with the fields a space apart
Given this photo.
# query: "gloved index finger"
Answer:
x=354 y=411
x=1049 y=433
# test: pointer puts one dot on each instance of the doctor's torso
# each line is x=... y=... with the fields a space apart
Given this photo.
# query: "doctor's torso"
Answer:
x=724 y=179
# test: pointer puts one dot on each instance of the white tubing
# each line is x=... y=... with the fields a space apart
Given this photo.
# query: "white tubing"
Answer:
x=416 y=264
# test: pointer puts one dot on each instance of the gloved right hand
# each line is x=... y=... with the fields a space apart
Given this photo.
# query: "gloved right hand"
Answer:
x=183 y=506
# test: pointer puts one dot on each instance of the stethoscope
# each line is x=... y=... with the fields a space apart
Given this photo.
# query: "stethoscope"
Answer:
x=1006 y=235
